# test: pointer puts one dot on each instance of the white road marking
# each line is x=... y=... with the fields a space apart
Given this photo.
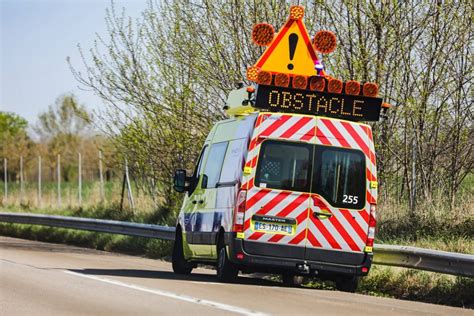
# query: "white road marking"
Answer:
x=190 y=299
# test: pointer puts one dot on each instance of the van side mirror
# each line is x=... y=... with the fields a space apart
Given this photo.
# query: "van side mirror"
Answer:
x=179 y=180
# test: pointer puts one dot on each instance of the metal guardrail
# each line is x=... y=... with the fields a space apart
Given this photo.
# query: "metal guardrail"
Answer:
x=424 y=259
x=391 y=255
x=97 y=225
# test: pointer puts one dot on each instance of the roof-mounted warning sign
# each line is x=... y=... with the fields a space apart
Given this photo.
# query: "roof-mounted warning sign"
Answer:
x=290 y=64
x=290 y=52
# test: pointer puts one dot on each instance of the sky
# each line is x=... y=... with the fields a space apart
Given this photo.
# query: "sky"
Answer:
x=36 y=37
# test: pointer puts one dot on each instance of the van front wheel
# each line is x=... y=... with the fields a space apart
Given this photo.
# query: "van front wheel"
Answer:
x=180 y=265
x=226 y=270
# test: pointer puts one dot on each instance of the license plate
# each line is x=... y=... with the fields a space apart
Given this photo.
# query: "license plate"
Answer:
x=273 y=227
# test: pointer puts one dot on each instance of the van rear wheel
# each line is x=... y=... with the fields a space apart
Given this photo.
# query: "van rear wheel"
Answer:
x=227 y=271
x=291 y=280
x=347 y=284
x=179 y=263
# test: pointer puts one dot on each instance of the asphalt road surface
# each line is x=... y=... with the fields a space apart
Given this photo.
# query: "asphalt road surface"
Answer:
x=49 y=279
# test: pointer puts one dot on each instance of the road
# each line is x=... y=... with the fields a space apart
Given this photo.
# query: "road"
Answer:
x=49 y=279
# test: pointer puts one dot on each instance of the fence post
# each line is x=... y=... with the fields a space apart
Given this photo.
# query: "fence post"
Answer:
x=129 y=189
x=21 y=181
x=39 y=181
x=413 y=179
x=80 y=178
x=59 y=180
x=5 y=177
x=101 y=177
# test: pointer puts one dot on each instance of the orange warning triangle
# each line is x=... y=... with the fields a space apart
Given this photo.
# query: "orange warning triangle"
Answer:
x=291 y=51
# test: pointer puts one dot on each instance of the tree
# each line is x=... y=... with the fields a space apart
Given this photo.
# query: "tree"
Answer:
x=14 y=140
x=11 y=124
x=63 y=128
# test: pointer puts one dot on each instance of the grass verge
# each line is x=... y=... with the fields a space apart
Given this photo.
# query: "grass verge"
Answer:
x=413 y=285
x=152 y=248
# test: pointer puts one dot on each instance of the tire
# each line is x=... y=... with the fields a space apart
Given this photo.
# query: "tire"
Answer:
x=347 y=284
x=227 y=271
x=180 y=265
x=291 y=280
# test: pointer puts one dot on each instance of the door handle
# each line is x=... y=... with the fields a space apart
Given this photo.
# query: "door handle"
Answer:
x=316 y=214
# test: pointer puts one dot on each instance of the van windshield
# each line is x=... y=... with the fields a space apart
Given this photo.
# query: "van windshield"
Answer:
x=337 y=174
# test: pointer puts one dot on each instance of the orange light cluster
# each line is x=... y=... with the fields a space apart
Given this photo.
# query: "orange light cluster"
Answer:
x=325 y=42
x=335 y=85
x=370 y=89
x=262 y=34
x=252 y=73
x=282 y=80
x=296 y=12
x=352 y=87
x=300 y=82
x=317 y=84
x=264 y=77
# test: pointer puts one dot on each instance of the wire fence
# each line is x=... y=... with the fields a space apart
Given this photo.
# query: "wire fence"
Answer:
x=95 y=184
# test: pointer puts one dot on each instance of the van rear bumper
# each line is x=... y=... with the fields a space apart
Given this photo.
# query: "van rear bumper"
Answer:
x=279 y=264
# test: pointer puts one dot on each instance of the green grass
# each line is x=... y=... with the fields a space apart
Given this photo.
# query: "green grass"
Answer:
x=70 y=196
x=433 y=223
x=152 y=248
x=413 y=285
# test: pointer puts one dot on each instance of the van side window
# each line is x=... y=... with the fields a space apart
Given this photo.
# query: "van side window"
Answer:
x=232 y=167
x=214 y=163
x=197 y=171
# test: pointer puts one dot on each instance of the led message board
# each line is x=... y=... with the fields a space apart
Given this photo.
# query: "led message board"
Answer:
x=342 y=106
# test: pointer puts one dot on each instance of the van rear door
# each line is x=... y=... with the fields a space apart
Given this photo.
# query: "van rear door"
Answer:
x=344 y=167
x=277 y=179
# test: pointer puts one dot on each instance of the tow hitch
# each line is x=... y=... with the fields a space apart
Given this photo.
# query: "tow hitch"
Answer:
x=303 y=268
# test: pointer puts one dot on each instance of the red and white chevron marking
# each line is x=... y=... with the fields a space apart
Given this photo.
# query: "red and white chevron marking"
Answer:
x=346 y=230
x=281 y=204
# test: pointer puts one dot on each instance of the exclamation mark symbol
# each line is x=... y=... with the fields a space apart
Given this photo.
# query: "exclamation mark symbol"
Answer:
x=293 y=41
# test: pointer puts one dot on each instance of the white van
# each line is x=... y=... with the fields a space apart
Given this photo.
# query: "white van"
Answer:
x=284 y=193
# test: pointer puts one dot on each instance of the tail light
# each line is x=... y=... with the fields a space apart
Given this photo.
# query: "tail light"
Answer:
x=240 y=211
x=372 y=223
